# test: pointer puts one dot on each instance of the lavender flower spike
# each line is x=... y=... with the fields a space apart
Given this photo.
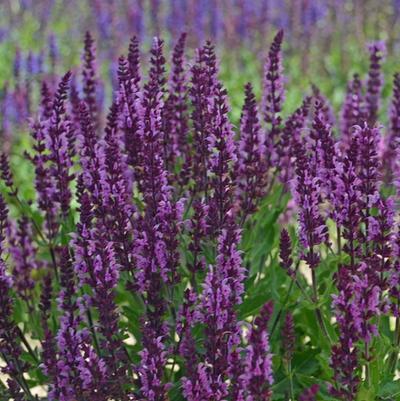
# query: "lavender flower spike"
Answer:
x=273 y=93
x=155 y=243
x=374 y=85
x=285 y=254
x=6 y=175
x=306 y=188
x=10 y=349
x=251 y=164
x=89 y=76
x=58 y=143
x=352 y=110
x=288 y=336
x=392 y=140
x=222 y=162
x=23 y=252
x=257 y=378
x=203 y=79
x=129 y=105
x=222 y=289
x=175 y=112
x=134 y=61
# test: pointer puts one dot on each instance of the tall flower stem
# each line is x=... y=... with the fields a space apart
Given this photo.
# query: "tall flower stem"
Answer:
x=27 y=345
x=278 y=316
x=339 y=241
x=394 y=355
x=21 y=379
x=22 y=208
x=367 y=367
x=318 y=311
x=53 y=261
x=290 y=374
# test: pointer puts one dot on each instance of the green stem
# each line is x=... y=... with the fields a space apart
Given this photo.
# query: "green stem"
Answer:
x=54 y=263
x=339 y=241
x=39 y=232
x=20 y=379
x=317 y=308
x=93 y=331
x=36 y=227
x=367 y=369
x=174 y=361
x=27 y=345
x=290 y=380
x=394 y=355
x=278 y=316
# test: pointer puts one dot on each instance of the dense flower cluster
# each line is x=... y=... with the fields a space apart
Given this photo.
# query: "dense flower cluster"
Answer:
x=342 y=179
x=138 y=260
x=143 y=178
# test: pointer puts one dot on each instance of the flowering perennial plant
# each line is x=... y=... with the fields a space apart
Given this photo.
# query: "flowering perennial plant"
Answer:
x=143 y=263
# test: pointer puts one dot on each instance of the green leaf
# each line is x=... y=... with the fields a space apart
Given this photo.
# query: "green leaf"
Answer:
x=389 y=390
x=366 y=394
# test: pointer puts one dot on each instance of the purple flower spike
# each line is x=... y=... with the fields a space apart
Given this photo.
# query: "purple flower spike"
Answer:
x=6 y=175
x=309 y=394
x=358 y=301
x=90 y=76
x=345 y=362
x=222 y=289
x=49 y=356
x=222 y=162
x=44 y=183
x=395 y=110
x=326 y=111
x=153 y=359
x=368 y=140
x=392 y=141
x=175 y=112
x=59 y=143
x=23 y=252
x=203 y=80
x=187 y=317
x=91 y=158
x=78 y=371
x=10 y=349
x=130 y=108
x=356 y=304
x=306 y=188
x=377 y=52
x=346 y=204
x=352 y=111
x=198 y=228
x=116 y=191
x=45 y=102
x=323 y=148
x=257 y=378
x=291 y=133
x=155 y=243
x=67 y=381
x=252 y=168
x=273 y=93
x=134 y=61
x=285 y=253
x=288 y=335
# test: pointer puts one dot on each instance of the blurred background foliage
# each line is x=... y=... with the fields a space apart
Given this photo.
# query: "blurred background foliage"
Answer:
x=324 y=39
